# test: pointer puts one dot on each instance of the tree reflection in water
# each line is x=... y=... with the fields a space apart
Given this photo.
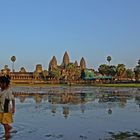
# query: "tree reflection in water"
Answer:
x=66 y=111
x=67 y=99
x=81 y=112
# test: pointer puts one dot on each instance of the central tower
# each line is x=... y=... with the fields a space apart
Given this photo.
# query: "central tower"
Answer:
x=66 y=59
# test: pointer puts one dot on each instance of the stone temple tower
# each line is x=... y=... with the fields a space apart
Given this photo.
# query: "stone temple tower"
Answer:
x=76 y=64
x=82 y=63
x=53 y=64
x=66 y=59
x=39 y=68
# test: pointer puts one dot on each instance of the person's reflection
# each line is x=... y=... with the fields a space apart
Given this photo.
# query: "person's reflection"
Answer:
x=66 y=111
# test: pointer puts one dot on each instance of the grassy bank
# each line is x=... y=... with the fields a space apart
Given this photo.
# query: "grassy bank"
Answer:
x=117 y=85
x=96 y=85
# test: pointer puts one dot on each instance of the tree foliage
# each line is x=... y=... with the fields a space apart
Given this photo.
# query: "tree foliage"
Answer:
x=120 y=70
x=109 y=59
x=103 y=69
x=13 y=58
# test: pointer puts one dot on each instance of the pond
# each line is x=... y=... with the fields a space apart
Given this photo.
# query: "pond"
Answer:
x=76 y=113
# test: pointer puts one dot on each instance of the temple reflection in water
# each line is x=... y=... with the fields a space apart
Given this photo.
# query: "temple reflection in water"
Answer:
x=77 y=101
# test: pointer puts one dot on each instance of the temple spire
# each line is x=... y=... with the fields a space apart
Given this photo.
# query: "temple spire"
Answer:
x=83 y=63
x=53 y=63
x=76 y=63
x=66 y=59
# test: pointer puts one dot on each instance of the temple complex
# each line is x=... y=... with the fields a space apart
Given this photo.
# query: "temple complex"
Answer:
x=55 y=74
x=67 y=72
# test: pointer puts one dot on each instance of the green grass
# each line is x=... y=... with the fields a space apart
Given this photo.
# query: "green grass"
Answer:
x=118 y=85
x=39 y=85
x=96 y=85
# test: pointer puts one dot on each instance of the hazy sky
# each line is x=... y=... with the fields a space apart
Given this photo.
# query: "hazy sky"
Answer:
x=35 y=30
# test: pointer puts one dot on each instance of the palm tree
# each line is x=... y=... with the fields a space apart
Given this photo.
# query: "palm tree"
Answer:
x=13 y=59
x=109 y=59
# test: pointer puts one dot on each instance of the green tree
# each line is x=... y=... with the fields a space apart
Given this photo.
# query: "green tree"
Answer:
x=70 y=66
x=109 y=59
x=103 y=69
x=77 y=74
x=120 y=70
x=6 y=67
x=71 y=70
x=55 y=74
x=112 y=70
x=130 y=73
x=137 y=71
x=13 y=59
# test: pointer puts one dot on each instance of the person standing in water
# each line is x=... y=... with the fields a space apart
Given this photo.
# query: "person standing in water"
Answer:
x=7 y=105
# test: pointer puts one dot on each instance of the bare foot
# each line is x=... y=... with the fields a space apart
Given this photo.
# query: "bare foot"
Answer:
x=7 y=136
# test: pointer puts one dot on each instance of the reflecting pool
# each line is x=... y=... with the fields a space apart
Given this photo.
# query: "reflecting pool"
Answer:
x=76 y=113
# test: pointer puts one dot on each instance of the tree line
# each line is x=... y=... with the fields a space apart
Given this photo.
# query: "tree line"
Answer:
x=119 y=71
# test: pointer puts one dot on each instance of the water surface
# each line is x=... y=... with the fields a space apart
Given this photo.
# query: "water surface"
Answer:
x=78 y=113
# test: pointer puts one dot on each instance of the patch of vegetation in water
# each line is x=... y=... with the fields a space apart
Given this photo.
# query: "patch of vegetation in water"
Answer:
x=124 y=135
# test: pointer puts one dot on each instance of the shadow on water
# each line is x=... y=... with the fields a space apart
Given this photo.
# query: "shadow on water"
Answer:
x=65 y=113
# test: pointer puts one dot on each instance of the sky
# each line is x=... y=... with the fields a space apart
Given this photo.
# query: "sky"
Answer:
x=36 y=30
